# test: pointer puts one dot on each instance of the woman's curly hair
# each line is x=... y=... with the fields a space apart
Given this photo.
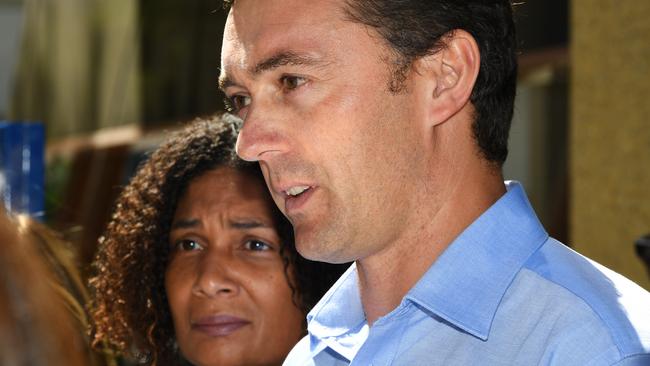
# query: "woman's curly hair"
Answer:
x=129 y=305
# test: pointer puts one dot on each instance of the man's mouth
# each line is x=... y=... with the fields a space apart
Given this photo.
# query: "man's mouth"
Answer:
x=296 y=191
x=296 y=197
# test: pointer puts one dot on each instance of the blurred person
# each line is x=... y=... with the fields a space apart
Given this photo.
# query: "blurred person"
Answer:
x=61 y=260
x=198 y=264
x=381 y=128
x=36 y=329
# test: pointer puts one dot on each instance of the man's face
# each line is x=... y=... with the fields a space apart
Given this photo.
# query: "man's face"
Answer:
x=339 y=152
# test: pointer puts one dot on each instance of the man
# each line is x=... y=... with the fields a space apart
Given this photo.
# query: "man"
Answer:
x=381 y=128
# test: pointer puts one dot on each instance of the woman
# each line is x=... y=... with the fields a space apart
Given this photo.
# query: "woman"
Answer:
x=197 y=262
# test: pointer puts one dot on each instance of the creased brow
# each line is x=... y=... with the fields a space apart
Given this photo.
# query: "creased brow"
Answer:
x=248 y=224
x=185 y=224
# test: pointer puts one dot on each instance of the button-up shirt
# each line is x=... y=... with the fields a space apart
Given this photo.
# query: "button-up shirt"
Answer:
x=503 y=293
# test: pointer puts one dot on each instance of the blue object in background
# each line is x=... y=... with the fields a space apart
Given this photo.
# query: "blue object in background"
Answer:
x=22 y=167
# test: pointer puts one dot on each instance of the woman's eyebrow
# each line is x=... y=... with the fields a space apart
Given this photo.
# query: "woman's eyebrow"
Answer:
x=185 y=224
x=248 y=224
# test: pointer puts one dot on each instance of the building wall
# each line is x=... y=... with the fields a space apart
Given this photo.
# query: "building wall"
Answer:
x=610 y=132
x=78 y=66
x=11 y=17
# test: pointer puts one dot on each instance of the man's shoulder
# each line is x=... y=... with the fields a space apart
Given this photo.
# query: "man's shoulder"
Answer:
x=587 y=298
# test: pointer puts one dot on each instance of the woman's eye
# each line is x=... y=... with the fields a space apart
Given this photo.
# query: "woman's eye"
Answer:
x=257 y=245
x=292 y=82
x=187 y=245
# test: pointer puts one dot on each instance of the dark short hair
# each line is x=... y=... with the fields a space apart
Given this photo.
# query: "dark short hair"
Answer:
x=416 y=28
x=129 y=305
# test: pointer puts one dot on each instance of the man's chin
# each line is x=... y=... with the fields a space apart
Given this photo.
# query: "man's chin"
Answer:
x=320 y=249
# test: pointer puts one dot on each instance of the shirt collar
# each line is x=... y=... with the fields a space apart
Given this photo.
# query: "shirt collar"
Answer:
x=340 y=309
x=467 y=282
x=338 y=320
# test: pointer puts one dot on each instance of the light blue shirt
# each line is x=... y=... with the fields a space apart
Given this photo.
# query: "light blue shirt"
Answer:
x=503 y=293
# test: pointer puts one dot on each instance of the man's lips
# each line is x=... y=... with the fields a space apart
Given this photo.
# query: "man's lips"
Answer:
x=294 y=194
x=219 y=325
x=295 y=202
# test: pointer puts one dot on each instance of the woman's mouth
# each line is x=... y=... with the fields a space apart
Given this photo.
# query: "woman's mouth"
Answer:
x=219 y=325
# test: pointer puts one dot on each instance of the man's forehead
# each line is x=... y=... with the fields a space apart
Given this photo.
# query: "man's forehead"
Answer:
x=286 y=9
x=252 y=34
x=260 y=22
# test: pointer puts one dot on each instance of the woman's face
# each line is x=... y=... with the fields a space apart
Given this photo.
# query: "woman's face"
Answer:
x=225 y=281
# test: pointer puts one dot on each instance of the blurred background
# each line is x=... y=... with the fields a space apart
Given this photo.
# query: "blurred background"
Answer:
x=88 y=87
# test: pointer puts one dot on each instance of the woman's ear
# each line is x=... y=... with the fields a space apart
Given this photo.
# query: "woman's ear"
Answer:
x=447 y=77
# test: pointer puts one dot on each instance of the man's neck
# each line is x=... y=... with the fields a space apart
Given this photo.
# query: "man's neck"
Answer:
x=385 y=277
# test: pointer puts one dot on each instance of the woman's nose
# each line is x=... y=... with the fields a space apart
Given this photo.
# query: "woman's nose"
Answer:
x=215 y=278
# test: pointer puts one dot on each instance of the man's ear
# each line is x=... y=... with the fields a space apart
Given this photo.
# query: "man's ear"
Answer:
x=449 y=76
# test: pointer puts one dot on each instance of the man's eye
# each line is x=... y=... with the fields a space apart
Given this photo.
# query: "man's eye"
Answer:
x=257 y=245
x=187 y=245
x=235 y=103
x=292 y=82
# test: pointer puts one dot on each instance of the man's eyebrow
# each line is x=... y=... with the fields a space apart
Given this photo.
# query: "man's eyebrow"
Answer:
x=185 y=224
x=225 y=82
x=282 y=58
x=285 y=58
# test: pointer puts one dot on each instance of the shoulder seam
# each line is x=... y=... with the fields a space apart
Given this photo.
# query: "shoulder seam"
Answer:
x=602 y=321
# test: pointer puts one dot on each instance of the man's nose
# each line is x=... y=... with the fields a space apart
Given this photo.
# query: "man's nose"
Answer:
x=215 y=278
x=262 y=136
